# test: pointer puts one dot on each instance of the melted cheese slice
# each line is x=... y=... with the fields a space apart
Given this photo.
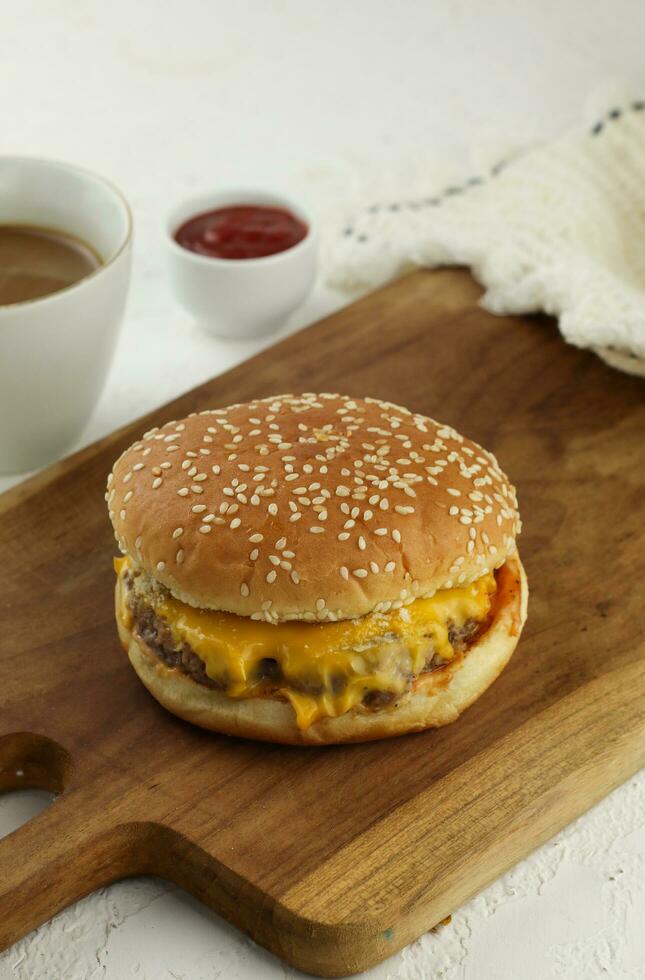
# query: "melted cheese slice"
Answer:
x=326 y=669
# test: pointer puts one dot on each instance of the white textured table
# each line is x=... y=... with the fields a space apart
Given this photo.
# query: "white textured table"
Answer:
x=167 y=99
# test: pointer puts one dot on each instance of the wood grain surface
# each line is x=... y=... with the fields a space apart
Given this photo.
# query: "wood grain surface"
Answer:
x=336 y=857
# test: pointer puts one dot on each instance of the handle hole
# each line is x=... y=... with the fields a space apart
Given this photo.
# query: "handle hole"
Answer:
x=21 y=805
x=30 y=761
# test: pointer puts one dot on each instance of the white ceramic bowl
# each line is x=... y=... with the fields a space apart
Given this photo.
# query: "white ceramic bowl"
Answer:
x=241 y=298
x=55 y=351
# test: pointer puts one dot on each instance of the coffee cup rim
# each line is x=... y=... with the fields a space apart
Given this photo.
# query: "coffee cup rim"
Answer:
x=8 y=308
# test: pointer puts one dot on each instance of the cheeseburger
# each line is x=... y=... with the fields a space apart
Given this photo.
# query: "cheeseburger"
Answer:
x=315 y=568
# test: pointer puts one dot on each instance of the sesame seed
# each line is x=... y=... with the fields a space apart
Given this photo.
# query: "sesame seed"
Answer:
x=320 y=604
x=256 y=538
x=453 y=492
x=361 y=543
x=179 y=557
x=374 y=567
x=198 y=508
x=136 y=467
x=343 y=536
x=381 y=531
x=273 y=509
x=128 y=497
x=344 y=573
x=360 y=572
x=271 y=576
x=316 y=530
x=235 y=523
x=122 y=515
x=342 y=491
x=216 y=469
x=160 y=566
x=138 y=542
x=244 y=590
x=391 y=565
x=205 y=529
x=200 y=477
x=253 y=555
x=396 y=536
x=281 y=543
x=295 y=578
x=453 y=511
x=274 y=559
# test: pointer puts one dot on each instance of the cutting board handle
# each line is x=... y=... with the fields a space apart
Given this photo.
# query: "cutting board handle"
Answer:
x=60 y=856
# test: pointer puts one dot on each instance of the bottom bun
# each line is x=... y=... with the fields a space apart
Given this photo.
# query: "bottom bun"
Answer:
x=437 y=698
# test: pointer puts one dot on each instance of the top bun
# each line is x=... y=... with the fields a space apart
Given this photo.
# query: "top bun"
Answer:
x=314 y=507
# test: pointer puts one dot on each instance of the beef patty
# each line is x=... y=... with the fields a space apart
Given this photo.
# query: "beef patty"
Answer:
x=157 y=635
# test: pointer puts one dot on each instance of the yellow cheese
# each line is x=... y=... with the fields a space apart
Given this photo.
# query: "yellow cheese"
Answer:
x=325 y=668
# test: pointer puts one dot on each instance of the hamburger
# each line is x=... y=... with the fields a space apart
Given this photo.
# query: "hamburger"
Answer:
x=315 y=568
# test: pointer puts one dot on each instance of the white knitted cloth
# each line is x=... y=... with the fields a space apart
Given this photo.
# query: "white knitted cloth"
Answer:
x=558 y=228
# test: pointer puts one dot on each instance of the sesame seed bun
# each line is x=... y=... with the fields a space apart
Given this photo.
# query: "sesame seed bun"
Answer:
x=311 y=507
x=438 y=698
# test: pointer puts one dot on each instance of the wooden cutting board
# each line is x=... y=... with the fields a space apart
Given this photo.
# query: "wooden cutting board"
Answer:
x=336 y=857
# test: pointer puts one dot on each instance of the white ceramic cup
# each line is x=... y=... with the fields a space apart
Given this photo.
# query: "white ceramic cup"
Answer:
x=241 y=298
x=55 y=351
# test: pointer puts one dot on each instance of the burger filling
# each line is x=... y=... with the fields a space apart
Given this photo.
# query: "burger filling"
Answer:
x=322 y=669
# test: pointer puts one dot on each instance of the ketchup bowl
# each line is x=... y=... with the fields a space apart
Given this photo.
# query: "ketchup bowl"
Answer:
x=241 y=261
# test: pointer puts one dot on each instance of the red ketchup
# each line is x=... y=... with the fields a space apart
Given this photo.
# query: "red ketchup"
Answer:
x=242 y=231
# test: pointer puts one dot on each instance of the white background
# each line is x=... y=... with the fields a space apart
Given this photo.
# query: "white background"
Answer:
x=169 y=99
